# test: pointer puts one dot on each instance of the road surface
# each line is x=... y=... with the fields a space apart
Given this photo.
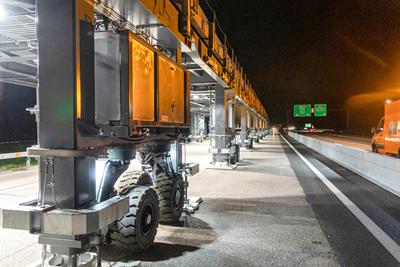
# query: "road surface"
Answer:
x=355 y=243
x=273 y=210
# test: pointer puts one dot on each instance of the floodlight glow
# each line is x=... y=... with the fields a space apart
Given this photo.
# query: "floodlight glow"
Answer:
x=100 y=167
x=388 y=101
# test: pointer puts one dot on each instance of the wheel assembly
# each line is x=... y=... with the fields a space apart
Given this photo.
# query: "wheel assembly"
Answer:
x=137 y=229
x=232 y=159
x=130 y=179
x=170 y=190
x=374 y=148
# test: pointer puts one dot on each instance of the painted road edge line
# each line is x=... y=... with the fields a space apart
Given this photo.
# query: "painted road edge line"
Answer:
x=374 y=229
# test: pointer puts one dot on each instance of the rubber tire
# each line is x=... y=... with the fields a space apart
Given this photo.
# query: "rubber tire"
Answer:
x=374 y=148
x=166 y=187
x=130 y=179
x=232 y=159
x=130 y=231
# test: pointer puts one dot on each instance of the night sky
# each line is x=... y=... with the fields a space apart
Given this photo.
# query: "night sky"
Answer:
x=344 y=53
x=16 y=124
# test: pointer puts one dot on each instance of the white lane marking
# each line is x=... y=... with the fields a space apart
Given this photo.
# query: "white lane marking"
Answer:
x=374 y=229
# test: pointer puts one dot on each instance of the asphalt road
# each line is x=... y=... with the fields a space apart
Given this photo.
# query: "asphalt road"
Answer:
x=18 y=248
x=272 y=210
x=353 y=243
x=256 y=215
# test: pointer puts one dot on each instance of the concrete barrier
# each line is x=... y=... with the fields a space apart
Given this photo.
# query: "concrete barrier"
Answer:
x=379 y=169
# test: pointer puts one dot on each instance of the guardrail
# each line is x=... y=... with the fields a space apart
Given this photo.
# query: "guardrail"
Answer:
x=11 y=145
x=379 y=169
x=16 y=155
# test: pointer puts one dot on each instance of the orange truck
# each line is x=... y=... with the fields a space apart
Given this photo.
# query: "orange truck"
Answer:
x=386 y=139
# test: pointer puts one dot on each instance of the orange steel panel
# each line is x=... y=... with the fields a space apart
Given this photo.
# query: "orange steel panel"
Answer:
x=219 y=46
x=168 y=15
x=171 y=92
x=141 y=81
x=200 y=45
x=200 y=18
x=232 y=74
x=187 y=96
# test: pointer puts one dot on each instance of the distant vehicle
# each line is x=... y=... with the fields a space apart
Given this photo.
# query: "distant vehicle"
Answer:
x=386 y=139
x=311 y=129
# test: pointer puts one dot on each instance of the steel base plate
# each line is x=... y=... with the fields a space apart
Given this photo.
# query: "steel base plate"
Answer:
x=192 y=204
x=221 y=166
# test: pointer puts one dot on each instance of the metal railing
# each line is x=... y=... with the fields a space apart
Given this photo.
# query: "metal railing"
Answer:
x=17 y=155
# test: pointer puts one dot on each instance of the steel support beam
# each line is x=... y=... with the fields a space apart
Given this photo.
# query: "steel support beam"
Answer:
x=220 y=118
x=255 y=122
x=221 y=152
x=249 y=119
x=243 y=124
x=231 y=115
x=61 y=80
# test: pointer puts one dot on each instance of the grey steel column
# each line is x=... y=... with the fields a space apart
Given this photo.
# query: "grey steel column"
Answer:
x=231 y=115
x=193 y=121
x=243 y=123
x=255 y=121
x=220 y=118
x=212 y=124
x=65 y=182
x=249 y=119
x=176 y=155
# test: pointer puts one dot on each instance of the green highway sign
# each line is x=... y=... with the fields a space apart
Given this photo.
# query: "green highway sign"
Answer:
x=302 y=110
x=307 y=125
x=320 y=110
